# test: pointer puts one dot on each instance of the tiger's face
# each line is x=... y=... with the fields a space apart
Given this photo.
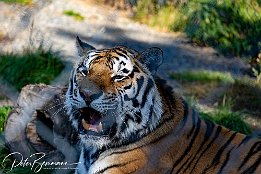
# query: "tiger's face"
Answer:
x=112 y=97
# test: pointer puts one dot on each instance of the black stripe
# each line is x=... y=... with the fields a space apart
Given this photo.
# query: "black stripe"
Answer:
x=245 y=140
x=113 y=130
x=221 y=150
x=138 y=117
x=252 y=168
x=86 y=156
x=71 y=87
x=150 y=114
x=140 y=82
x=135 y=103
x=121 y=54
x=254 y=149
x=146 y=92
x=136 y=69
x=131 y=75
x=126 y=97
x=190 y=144
x=124 y=52
x=218 y=130
x=225 y=162
x=193 y=123
x=121 y=62
x=125 y=71
x=218 y=155
x=127 y=87
x=208 y=132
x=186 y=114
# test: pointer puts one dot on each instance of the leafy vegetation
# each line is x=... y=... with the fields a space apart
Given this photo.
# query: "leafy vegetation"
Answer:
x=232 y=27
x=31 y=67
x=4 y=111
x=77 y=16
x=23 y=2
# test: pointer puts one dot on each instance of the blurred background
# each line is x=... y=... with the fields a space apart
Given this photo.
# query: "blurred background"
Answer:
x=212 y=49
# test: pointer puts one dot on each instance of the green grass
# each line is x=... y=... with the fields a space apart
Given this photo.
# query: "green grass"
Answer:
x=4 y=111
x=2 y=97
x=229 y=119
x=77 y=16
x=223 y=115
x=23 y=2
x=31 y=67
x=202 y=76
x=246 y=94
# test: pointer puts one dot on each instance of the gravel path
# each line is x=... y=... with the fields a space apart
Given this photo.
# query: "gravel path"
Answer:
x=45 y=23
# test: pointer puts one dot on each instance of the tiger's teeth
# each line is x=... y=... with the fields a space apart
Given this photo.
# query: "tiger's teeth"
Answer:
x=99 y=127
x=85 y=125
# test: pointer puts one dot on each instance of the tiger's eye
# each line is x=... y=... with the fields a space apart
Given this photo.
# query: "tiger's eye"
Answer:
x=83 y=71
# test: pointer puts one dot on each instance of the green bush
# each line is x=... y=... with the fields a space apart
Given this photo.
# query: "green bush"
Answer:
x=232 y=27
x=31 y=67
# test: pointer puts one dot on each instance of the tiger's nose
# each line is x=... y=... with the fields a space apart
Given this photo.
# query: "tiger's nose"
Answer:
x=86 y=96
x=89 y=96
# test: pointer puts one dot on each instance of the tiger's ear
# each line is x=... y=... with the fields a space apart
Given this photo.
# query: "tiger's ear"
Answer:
x=83 y=47
x=152 y=58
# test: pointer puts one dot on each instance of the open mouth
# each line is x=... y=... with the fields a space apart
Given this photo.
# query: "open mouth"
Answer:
x=90 y=122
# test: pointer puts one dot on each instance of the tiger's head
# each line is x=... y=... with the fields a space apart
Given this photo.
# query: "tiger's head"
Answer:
x=112 y=97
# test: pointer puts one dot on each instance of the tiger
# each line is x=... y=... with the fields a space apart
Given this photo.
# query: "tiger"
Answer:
x=129 y=120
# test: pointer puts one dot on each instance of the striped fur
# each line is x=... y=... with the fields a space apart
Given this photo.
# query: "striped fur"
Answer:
x=151 y=128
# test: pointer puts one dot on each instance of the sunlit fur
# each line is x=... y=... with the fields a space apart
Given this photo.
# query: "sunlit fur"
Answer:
x=165 y=137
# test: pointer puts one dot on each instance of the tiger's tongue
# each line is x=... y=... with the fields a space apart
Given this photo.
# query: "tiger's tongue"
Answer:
x=92 y=126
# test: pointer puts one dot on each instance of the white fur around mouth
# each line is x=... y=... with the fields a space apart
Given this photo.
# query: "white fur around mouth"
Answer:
x=91 y=127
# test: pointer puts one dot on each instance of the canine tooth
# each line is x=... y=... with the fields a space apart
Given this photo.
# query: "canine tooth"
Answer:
x=85 y=125
x=99 y=127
